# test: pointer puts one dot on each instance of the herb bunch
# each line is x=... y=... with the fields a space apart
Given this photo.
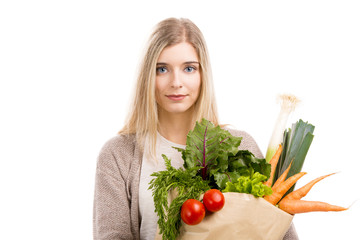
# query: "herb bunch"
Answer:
x=187 y=184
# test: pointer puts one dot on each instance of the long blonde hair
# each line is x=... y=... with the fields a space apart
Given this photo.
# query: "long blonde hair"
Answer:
x=142 y=119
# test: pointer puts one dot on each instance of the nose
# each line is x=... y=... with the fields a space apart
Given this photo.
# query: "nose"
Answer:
x=176 y=81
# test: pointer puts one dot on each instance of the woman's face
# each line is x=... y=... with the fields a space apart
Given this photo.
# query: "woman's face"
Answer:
x=178 y=78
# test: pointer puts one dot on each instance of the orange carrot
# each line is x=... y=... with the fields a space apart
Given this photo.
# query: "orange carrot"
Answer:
x=282 y=178
x=301 y=192
x=292 y=203
x=293 y=206
x=282 y=188
x=273 y=162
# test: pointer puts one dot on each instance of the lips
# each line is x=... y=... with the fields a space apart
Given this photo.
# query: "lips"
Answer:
x=176 y=97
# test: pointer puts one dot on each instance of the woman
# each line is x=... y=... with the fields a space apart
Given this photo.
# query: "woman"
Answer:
x=174 y=90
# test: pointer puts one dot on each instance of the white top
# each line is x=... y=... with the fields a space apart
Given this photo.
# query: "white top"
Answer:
x=148 y=224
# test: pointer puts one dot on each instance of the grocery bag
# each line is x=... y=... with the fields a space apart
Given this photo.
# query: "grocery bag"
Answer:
x=243 y=217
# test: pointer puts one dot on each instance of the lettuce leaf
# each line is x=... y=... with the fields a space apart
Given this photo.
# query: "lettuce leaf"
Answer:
x=244 y=163
x=249 y=184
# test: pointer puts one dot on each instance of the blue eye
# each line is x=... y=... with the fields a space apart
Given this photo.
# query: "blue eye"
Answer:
x=161 y=70
x=189 y=69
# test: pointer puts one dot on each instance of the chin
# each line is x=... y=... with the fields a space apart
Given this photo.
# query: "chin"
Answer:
x=177 y=110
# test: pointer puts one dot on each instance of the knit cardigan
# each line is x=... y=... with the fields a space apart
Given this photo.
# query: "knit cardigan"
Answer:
x=116 y=202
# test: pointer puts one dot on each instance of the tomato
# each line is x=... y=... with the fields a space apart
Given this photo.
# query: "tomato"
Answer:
x=213 y=200
x=192 y=212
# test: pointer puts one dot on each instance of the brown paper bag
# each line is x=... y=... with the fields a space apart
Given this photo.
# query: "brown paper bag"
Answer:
x=244 y=217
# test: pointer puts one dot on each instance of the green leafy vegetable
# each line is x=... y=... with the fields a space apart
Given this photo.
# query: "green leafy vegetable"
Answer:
x=296 y=143
x=244 y=163
x=208 y=147
x=217 y=153
x=249 y=184
x=188 y=186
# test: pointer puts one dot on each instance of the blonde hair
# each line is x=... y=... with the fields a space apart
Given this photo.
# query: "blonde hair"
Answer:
x=142 y=119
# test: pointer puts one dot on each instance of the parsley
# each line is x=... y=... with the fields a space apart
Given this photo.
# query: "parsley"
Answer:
x=187 y=184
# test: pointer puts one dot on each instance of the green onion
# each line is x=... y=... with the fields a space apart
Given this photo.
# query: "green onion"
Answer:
x=288 y=104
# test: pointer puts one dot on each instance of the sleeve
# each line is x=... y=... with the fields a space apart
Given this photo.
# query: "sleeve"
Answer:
x=291 y=234
x=250 y=144
x=111 y=213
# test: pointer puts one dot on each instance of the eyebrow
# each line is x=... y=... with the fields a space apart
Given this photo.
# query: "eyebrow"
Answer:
x=189 y=62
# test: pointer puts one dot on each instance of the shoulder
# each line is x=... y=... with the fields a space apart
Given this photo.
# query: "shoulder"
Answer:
x=120 y=143
x=247 y=142
x=117 y=152
x=246 y=137
x=239 y=133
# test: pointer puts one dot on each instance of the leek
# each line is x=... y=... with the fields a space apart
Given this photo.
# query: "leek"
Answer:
x=288 y=103
x=296 y=143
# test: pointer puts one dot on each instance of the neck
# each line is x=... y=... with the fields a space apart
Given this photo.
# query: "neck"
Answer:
x=175 y=127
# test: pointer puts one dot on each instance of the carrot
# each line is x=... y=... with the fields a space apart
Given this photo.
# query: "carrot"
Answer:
x=273 y=162
x=301 y=192
x=293 y=206
x=282 y=188
x=282 y=178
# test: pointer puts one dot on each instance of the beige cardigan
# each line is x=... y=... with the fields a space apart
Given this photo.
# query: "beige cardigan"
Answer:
x=116 y=202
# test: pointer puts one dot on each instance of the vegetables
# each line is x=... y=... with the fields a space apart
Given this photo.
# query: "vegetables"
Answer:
x=243 y=164
x=192 y=212
x=209 y=147
x=211 y=159
x=288 y=104
x=187 y=184
x=273 y=162
x=301 y=192
x=296 y=143
x=213 y=200
x=282 y=188
x=292 y=203
x=281 y=179
x=250 y=184
x=292 y=206
x=215 y=151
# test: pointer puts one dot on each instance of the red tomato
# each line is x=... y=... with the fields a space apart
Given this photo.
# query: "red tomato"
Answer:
x=213 y=200
x=192 y=212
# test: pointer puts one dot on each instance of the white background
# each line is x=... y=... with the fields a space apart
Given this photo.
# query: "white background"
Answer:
x=67 y=70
